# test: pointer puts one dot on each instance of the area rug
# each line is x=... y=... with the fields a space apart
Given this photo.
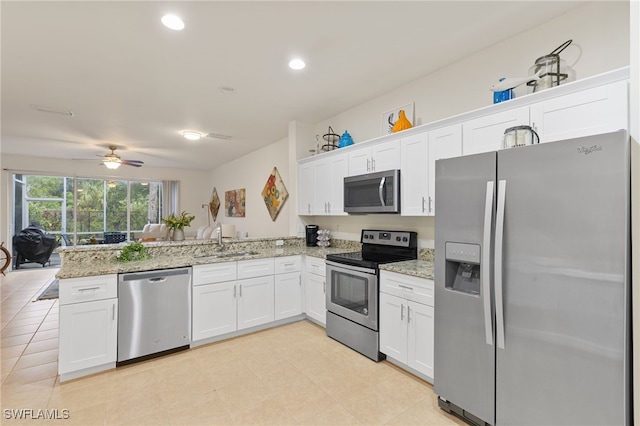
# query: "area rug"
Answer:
x=51 y=292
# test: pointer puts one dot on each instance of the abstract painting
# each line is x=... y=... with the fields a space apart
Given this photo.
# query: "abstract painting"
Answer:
x=389 y=118
x=234 y=202
x=274 y=194
x=214 y=204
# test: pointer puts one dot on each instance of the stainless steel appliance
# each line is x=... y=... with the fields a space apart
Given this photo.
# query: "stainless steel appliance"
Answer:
x=372 y=193
x=154 y=312
x=353 y=288
x=532 y=284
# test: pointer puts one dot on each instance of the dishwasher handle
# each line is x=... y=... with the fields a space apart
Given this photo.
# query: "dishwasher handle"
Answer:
x=157 y=280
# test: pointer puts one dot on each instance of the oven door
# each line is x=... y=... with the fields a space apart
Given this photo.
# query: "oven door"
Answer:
x=353 y=293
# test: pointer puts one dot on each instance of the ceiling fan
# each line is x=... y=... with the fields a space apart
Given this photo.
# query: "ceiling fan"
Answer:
x=113 y=160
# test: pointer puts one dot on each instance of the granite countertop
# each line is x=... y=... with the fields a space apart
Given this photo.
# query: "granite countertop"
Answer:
x=417 y=268
x=111 y=266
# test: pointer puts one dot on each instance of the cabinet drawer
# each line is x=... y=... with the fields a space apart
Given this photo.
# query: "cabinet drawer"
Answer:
x=408 y=287
x=315 y=265
x=87 y=289
x=214 y=273
x=287 y=264
x=255 y=268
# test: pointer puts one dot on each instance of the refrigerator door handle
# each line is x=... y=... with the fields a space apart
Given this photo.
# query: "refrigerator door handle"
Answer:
x=502 y=188
x=486 y=260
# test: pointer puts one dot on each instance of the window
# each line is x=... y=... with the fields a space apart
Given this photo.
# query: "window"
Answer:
x=101 y=205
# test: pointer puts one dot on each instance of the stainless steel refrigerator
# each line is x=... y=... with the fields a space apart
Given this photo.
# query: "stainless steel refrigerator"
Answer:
x=532 y=284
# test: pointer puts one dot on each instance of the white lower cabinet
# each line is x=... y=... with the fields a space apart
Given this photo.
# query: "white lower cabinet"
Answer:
x=288 y=287
x=255 y=301
x=406 y=321
x=214 y=310
x=88 y=324
x=316 y=290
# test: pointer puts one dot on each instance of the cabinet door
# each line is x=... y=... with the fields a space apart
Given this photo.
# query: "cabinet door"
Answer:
x=288 y=295
x=323 y=187
x=420 y=338
x=484 y=134
x=316 y=299
x=360 y=161
x=88 y=335
x=588 y=112
x=214 y=310
x=386 y=156
x=415 y=175
x=393 y=327
x=339 y=170
x=445 y=142
x=306 y=189
x=255 y=301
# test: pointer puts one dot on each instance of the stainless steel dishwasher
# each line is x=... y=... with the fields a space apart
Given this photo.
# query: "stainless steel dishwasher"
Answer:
x=154 y=313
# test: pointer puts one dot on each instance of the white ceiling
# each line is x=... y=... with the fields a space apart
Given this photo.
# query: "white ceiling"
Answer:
x=134 y=83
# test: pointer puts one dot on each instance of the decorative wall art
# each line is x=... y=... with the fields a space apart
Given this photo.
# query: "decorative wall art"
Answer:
x=389 y=118
x=274 y=194
x=234 y=202
x=214 y=204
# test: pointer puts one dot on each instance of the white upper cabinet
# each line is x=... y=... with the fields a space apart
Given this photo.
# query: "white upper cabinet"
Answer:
x=419 y=155
x=588 y=112
x=484 y=134
x=320 y=186
x=445 y=142
x=376 y=158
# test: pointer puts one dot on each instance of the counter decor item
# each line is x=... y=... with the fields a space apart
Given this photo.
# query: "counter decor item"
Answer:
x=234 y=202
x=177 y=224
x=132 y=252
x=345 y=140
x=274 y=194
x=390 y=118
x=324 y=236
x=214 y=204
x=552 y=70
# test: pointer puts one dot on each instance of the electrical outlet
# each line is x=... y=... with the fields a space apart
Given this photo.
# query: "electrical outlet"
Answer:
x=279 y=242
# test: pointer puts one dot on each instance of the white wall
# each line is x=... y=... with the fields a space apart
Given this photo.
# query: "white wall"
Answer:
x=251 y=172
x=193 y=183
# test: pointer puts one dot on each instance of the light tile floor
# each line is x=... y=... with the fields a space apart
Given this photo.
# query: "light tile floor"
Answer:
x=291 y=375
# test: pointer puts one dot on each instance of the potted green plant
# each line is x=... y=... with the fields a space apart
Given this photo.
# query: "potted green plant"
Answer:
x=177 y=224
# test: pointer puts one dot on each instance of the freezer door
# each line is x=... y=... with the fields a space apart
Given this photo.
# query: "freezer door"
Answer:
x=464 y=345
x=565 y=274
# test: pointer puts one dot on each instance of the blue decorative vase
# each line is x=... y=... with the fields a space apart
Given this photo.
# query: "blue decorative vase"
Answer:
x=345 y=140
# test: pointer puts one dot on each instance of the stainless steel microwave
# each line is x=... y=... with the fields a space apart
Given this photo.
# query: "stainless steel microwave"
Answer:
x=372 y=193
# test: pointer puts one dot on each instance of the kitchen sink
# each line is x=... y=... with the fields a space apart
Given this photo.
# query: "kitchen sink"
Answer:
x=230 y=254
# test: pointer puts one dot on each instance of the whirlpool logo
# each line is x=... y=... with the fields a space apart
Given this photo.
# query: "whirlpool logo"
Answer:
x=588 y=150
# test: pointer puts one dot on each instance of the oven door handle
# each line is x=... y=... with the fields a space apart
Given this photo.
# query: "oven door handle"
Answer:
x=345 y=267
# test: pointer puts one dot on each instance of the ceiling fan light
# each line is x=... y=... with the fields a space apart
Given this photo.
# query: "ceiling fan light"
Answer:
x=192 y=135
x=112 y=163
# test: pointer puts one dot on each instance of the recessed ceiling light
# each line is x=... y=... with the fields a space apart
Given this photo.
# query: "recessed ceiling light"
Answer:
x=192 y=135
x=297 y=64
x=172 y=21
x=227 y=89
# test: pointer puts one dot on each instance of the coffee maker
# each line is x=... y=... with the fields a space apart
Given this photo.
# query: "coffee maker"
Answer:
x=312 y=235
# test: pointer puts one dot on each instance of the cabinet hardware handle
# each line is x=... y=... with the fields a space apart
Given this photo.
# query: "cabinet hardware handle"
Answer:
x=430 y=204
x=300 y=281
x=373 y=165
x=406 y=287
x=309 y=207
x=234 y=291
x=401 y=311
x=328 y=207
x=422 y=204
x=324 y=286
x=89 y=288
x=288 y=264
x=368 y=164
x=113 y=312
x=240 y=290
x=408 y=314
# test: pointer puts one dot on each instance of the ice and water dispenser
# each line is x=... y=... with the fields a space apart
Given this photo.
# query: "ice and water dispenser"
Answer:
x=462 y=271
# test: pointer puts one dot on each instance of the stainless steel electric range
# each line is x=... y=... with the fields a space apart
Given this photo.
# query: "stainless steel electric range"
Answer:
x=353 y=287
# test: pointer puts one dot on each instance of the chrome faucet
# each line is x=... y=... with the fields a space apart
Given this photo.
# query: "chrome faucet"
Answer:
x=219 y=230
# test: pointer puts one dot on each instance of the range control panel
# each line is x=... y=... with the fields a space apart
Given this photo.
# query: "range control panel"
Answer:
x=389 y=238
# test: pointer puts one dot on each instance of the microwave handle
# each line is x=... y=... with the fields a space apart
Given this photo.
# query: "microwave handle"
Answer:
x=380 y=189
